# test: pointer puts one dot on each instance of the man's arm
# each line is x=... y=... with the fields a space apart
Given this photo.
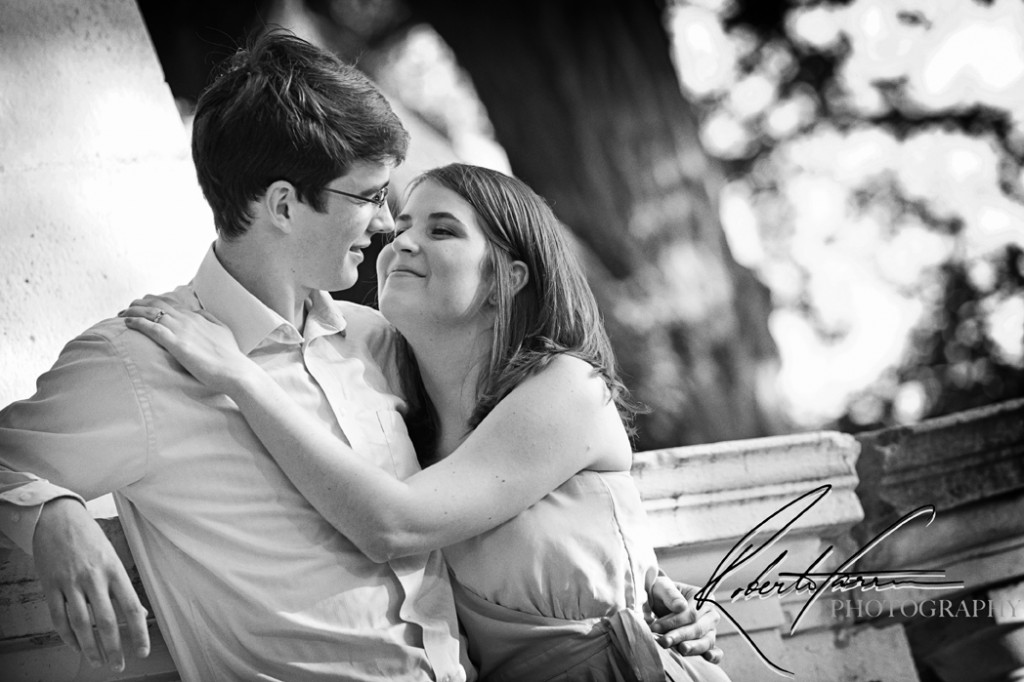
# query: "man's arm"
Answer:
x=22 y=496
x=85 y=585
x=84 y=430
x=679 y=625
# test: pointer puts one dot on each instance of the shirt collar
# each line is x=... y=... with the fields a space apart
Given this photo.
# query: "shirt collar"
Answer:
x=248 y=318
x=322 y=316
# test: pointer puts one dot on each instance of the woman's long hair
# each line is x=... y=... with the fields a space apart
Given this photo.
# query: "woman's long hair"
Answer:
x=553 y=313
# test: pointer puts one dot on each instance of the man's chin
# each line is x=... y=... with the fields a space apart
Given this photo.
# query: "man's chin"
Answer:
x=344 y=281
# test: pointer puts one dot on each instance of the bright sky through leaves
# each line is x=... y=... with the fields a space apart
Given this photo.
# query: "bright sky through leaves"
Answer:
x=865 y=273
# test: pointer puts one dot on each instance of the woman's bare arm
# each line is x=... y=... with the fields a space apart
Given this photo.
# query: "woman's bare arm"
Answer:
x=553 y=425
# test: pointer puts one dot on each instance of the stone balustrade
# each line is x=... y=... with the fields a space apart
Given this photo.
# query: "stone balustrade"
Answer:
x=970 y=467
x=835 y=492
x=703 y=500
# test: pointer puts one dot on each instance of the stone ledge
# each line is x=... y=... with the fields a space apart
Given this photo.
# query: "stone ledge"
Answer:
x=948 y=462
x=702 y=500
x=31 y=650
x=970 y=468
x=709 y=494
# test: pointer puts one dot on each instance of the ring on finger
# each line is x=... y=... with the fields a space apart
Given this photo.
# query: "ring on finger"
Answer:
x=159 y=315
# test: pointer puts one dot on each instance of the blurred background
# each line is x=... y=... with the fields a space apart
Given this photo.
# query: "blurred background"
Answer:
x=795 y=215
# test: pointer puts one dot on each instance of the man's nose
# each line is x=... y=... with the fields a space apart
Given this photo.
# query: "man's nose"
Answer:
x=383 y=222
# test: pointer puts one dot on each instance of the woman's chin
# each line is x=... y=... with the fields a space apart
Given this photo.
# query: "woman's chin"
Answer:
x=393 y=309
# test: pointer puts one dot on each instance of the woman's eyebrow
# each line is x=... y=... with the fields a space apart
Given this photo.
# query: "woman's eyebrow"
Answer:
x=437 y=215
x=444 y=215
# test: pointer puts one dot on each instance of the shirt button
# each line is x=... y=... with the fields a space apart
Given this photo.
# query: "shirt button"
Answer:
x=16 y=517
x=25 y=497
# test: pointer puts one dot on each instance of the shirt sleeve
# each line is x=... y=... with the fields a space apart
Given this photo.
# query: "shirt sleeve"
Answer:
x=21 y=502
x=83 y=434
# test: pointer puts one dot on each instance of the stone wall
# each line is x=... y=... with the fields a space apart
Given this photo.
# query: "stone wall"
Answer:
x=969 y=467
x=706 y=502
x=100 y=199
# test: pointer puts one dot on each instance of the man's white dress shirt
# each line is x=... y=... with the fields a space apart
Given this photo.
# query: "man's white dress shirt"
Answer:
x=247 y=580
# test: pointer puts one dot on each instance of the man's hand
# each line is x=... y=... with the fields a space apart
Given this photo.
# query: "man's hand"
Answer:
x=80 y=572
x=692 y=633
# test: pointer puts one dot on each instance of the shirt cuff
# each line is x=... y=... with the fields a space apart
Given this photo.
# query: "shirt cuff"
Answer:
x=20 y=509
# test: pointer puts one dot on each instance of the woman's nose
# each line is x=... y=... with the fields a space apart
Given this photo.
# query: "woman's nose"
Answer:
x=404 y=241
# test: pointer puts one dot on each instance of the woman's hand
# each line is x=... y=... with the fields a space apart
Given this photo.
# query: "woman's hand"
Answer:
x=680 y=626
x=196 y=339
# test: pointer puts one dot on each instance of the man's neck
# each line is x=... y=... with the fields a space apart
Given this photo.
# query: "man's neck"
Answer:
x=261 y=275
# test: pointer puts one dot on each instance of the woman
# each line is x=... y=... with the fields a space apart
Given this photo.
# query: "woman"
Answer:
x=521 y=423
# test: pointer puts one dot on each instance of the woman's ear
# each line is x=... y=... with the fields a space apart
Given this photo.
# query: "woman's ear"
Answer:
x=520 y=275
x=278 y=201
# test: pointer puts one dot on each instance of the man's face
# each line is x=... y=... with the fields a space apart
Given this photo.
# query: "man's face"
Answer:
x=330 y=244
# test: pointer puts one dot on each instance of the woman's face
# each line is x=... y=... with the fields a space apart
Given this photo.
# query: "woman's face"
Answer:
x=435 y=270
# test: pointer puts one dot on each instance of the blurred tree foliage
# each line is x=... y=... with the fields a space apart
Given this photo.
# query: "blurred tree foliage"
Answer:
x=584 y=98
x=952 y=361
x=951 y=355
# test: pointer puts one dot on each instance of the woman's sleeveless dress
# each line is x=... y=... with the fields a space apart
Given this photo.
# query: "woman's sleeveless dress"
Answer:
x=559 y=592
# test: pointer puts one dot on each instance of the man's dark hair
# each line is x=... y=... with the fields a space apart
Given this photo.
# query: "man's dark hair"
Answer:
x=284 y=109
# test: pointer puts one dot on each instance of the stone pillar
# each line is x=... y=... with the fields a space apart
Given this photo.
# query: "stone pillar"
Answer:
x=101 y=204
x=970 y=467
x=703 y=500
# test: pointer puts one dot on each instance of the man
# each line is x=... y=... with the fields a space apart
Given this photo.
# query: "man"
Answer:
x=294 y=152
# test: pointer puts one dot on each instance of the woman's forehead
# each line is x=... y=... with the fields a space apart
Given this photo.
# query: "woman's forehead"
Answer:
x=431 y=199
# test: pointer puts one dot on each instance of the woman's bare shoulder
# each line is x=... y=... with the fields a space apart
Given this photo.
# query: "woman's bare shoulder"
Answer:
x=576 y=391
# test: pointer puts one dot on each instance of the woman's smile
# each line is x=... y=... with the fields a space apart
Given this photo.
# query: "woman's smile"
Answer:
x=403 y=271
x=438 y=242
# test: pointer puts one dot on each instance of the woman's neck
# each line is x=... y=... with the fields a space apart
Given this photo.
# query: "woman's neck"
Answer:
x=450 y=362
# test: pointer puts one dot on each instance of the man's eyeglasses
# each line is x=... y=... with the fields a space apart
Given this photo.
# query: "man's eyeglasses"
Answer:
x=378 y=199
